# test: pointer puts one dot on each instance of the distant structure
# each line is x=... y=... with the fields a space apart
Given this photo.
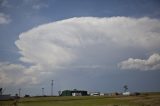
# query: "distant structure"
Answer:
x=126 y=92
x=1 y=91
x=114 y=94
x=42 y=91
x=74 y=92
x=4 y=97
x=52 y=88
x=95 y=94
x=19 y=92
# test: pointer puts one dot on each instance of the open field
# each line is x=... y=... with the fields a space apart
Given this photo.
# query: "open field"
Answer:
x=142 y=100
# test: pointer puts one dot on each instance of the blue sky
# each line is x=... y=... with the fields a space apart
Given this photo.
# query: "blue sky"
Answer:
x=95 y=45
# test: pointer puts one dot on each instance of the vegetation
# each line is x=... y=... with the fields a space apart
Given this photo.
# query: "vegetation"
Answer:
x=125 y=88
x=152 y=99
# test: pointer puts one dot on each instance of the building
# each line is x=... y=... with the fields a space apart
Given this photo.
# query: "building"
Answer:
x=102 y=94
x=95 y=94
x=113 y=94
x=74 y=93
x=126 y=93
x=5 y=97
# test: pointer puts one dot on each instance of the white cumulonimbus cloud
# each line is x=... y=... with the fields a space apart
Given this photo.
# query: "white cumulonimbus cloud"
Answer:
x=55 y=43
x=152 y=63
x=85 y=41
x=4 y=19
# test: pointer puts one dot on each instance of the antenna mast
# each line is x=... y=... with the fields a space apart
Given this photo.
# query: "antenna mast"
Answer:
x=52 y=88
x=42 y=91
x=19 y=91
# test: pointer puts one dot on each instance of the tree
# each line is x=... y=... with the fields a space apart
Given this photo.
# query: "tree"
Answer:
x=59 y=92
x=125 y=88
x=1 y=91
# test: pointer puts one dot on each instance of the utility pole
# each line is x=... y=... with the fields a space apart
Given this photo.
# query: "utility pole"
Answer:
x=52 y=88
x=42 y=91
x=19 y=92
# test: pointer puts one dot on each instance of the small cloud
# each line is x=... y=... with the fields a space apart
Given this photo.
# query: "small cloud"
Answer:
x=4 y=19
x=39 y=6
x=35 y=4
x=152 y=63
x=4 y=3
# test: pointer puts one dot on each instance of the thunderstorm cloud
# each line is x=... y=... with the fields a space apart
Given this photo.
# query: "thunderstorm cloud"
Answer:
x=86 y=43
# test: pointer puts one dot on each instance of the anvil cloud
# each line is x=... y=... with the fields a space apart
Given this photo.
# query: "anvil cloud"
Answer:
x=84 y=42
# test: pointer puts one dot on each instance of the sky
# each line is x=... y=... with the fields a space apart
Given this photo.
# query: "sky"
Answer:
x=93 y=45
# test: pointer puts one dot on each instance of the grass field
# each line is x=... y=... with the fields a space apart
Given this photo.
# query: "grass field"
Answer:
x=142 y=100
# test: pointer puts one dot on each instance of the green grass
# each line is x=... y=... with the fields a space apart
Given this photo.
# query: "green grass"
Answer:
x=71 y=101
x=152 y=99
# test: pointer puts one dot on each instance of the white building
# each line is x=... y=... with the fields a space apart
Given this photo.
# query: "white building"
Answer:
x=95 y=94
x=101 y=94
x=126 y=93
x=76 y=94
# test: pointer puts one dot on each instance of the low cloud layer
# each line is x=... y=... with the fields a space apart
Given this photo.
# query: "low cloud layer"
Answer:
x=17 y=74
x=152 y=63
x=85 y=43
x=4 y=19
x=10 y=73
